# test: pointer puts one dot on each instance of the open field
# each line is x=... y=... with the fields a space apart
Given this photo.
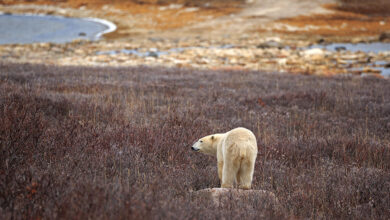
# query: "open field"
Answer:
x=99 y=143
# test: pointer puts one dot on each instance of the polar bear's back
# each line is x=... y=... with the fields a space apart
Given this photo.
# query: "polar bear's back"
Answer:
x=237 y=157
x=241 y=138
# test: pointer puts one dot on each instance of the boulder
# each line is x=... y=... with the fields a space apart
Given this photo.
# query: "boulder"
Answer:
x=270 y=44
x=385 y=36
x=247 y=198
x=340 y=48
x=321 y=41
x=314 y=51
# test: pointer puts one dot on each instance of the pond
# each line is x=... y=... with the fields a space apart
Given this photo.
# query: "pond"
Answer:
x=25 y=29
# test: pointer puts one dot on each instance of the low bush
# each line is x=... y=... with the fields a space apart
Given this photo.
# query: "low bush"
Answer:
x=101 y=143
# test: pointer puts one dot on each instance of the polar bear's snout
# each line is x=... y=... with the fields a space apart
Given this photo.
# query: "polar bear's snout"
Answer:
x=195 y=147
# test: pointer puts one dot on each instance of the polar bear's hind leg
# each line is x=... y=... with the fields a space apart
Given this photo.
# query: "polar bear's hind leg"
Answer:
x=229 y=172
x=245 y=174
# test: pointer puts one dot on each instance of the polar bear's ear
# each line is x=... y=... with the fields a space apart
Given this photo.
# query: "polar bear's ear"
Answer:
x=212 y=137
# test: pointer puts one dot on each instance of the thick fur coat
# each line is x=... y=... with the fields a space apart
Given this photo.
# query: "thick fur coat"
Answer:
x=236 y=153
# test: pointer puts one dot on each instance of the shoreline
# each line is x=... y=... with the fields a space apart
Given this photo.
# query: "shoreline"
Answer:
x=251 y=50
x=111 y=27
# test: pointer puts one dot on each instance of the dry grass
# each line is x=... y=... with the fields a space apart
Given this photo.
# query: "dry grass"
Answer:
x=350 y=18
x=100 y=143
x=338 y=23
x=373 y=7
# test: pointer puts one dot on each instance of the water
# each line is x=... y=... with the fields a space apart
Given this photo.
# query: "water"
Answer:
x=25 y=29
x=384 y=71
x=375 y=47
x=381 y=65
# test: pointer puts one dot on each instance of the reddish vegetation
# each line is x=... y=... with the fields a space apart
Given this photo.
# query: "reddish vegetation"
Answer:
x=98 y=3
x=115 y=142
x=373 y=7
x=338 y=24
x=350 y=18
x=148 y=11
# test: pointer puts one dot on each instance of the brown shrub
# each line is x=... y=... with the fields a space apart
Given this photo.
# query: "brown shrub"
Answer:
x=115 y=142
x=373 y=7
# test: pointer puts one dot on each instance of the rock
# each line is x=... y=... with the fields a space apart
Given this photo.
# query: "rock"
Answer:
x=192 y=9
x=170 y=7
x=270 y=44
x=282 y=61
x=340 y=61
x=357 y=40
x=317 y=58
x=351 y=56
x=152 y=54
x=371 y=70
x=203 y=61
x=156 y=39
x=314 y=51
x=341 y=48
x=233 y=60
x=321 y=41
x=150 y=59
x=318 y=53
x=276 y=39
x=251 y=198
x=385 y=36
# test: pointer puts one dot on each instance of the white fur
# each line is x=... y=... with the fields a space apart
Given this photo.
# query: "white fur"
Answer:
x=236 y=153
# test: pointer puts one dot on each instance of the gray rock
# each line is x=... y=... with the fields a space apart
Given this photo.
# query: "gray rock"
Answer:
x=321 y=41
x=270 y=44
x=340 y=48
x=156 y=39
x=385 y=36
x=152 y=54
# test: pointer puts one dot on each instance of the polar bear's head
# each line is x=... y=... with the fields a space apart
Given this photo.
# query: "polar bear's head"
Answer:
x=206 y=145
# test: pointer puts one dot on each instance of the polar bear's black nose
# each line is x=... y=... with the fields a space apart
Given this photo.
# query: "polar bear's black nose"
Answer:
x=194 y=149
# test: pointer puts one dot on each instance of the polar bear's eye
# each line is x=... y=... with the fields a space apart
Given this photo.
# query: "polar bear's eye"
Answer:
x=200 y=141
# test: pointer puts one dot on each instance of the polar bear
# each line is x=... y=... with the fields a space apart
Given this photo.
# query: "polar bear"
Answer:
x=236 y=152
